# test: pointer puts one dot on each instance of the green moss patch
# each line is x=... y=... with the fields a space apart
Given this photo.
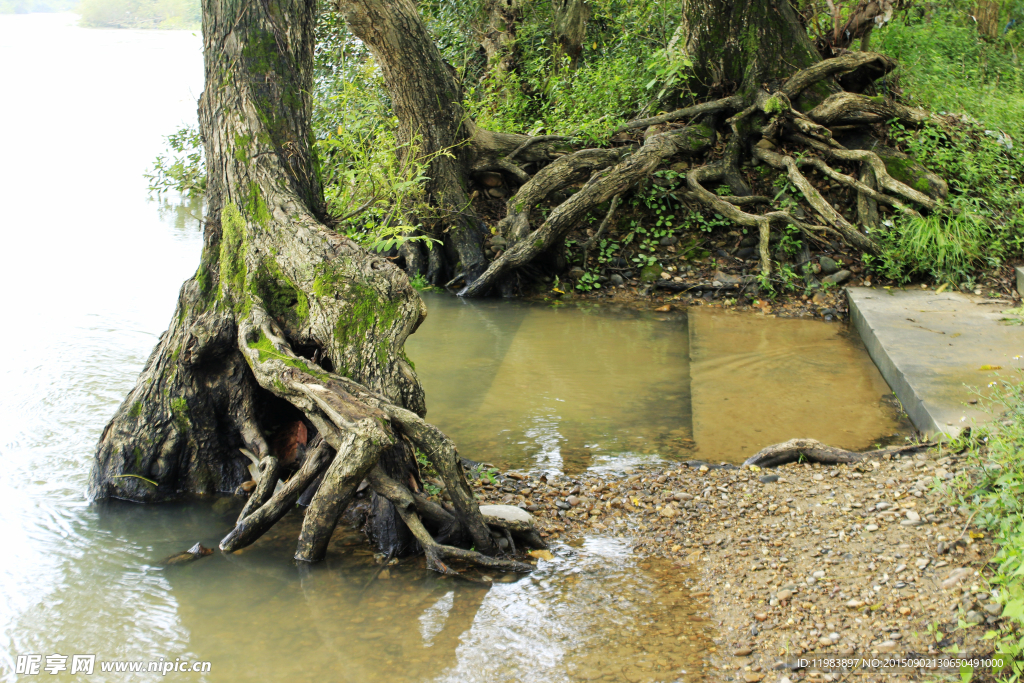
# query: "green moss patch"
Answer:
x=266 y=351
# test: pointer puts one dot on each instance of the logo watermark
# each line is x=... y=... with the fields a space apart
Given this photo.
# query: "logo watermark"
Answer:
x=36 y=665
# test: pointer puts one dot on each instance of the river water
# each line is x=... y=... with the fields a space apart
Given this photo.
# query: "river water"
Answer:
x=91 y=268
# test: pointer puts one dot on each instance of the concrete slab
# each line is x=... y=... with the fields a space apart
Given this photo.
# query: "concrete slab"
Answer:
x=936 y=350
x=1020 y=280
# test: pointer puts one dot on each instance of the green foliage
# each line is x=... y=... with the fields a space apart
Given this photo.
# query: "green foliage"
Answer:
x=420 y=284
x=181 y=168
x=944 y=249
x=791 y=241
x=372 y=181
x=986 y=225
x=164 y=14
x=426 y=469
x=629 y=67
x=938 y=45
x=588 y=102
x=588 y=281
x=995 y=499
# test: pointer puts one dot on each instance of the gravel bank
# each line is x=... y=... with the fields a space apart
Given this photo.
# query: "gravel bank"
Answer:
x=801 y=559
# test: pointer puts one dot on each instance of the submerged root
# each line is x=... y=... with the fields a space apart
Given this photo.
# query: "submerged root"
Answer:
x=436 y=553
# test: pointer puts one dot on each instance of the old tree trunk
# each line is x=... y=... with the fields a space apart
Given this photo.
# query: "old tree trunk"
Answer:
x=286 y=328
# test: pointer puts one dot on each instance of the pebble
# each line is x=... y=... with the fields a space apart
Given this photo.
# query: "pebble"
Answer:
x=828 y=266
x=837 y=278
x=742 y=652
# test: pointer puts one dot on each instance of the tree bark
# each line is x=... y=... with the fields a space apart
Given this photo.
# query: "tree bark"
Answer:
x=745 y=44
x=427 y=101
x=498 y=35
x=570 y=28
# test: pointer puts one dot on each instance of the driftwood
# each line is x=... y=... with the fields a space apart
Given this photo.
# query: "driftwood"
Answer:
x=815 y=451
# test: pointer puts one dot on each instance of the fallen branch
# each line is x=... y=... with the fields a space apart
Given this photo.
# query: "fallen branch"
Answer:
x=814 y=451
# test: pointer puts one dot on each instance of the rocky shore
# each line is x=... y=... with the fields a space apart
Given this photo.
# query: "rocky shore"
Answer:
x=804 y=559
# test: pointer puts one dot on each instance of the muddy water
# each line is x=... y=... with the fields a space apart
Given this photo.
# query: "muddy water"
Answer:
x=91 y=267
x=568 y=388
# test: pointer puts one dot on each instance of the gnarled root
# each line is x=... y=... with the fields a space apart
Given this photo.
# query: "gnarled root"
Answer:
x=523 y=531
x=356 y=425
x=768 y=114
x=270 y=474
x=403 y=500
x=599 y=189
x=814 y=451
x=253 y=525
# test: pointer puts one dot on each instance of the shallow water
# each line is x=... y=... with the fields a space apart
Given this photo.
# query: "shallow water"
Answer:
x=569 y=388
x=91 y=267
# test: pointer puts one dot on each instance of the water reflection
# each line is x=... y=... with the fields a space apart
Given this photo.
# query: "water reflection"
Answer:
x=184 y=213
x=554 y=387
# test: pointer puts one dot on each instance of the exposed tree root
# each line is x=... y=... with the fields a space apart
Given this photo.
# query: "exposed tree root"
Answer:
x=356 y=425
x=251 y=526
x=559 y=174
x=436 y=553
x=759 y=113
x=599 y=189
x=842 y=64
x=811 y=194
x=882 y=177
x=814 y=451
x=270 y=474
x=848 y=107
x=761 y=221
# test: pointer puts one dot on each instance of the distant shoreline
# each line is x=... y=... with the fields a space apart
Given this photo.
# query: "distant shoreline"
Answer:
x=108 y=13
